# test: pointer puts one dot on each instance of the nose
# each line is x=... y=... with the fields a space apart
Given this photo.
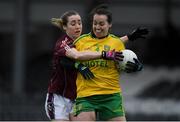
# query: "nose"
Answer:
x=77 y=26
x=97 y=26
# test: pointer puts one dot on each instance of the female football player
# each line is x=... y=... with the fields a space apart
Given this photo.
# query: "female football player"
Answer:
x=102 y=94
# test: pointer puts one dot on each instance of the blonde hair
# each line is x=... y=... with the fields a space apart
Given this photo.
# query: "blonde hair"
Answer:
x=63 y=20
x=57 y=22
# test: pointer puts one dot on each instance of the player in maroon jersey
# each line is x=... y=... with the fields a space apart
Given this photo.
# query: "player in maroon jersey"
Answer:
x=62 y=86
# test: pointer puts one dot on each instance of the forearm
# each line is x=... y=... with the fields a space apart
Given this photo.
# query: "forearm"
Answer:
x=88 y=55
x=124 y=39
x=83 y=55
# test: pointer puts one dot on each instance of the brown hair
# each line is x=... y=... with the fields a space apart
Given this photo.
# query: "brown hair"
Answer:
x=63 y=20
x=101 y=9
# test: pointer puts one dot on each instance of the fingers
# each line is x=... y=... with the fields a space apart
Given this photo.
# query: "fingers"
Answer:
x=67 y=47
x=136 y=61
x=85 y=77
x=143 y=31
x=130 y=67
x=138 y=64
x=90 y=75
x=87 y=74
x=140 y=67
x=119 y=56
x=128 y=70
x=142 y=37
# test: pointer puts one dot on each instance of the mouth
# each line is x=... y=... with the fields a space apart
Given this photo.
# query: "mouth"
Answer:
x=98 y=33
x=98 y=30
x=77 y=32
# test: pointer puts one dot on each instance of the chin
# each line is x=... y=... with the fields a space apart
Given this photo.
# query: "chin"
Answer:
x=99 y=36
x=75 y=37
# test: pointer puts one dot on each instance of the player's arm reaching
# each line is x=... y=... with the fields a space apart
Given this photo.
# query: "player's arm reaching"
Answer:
x=85 y=72
x=109 y=55
x=89 y=55
x=86 y=55
x=72 y=53
x=135 y=34
x=69 y=64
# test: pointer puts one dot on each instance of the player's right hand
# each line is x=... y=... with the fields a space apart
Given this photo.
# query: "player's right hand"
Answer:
x=85 y=71
x=138 y=33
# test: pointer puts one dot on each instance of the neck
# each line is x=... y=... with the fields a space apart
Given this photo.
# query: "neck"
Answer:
x=94 y=36
x=73 y=38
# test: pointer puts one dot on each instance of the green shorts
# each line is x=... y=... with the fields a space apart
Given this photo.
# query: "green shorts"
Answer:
x=105 y=106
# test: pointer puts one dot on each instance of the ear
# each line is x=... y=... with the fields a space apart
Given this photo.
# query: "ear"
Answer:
x=64 y=27
x=110 y=25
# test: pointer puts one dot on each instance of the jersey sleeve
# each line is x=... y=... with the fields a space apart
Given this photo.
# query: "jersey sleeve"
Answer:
x=80 y=41
x=77 y=43
x=119 y=45
x=59 y=50
x=122 y=46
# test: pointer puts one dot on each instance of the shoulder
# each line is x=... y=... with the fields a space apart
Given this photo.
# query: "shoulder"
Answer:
x=114 y=36
x=82 y=37
x=115 y=40
x=64 y=38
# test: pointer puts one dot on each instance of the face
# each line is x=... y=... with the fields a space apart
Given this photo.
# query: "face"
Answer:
x=100 y=25
x=74 y=26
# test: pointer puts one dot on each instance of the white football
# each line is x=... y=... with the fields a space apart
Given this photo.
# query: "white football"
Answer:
x=128 y=56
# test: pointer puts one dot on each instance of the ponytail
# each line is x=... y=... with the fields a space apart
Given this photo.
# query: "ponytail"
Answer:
x=57 y=22
x=63 y=20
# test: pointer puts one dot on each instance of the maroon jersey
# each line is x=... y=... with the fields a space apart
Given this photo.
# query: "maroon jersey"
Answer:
x=63 y=81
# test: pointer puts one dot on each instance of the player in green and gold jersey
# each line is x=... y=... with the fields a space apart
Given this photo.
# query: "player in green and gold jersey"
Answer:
x=102 y=94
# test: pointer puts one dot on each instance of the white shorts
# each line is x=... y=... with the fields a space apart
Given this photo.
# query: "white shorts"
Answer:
x=58 y=107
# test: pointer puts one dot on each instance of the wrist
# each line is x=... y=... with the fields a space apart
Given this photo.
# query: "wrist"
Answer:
x=140 y=67
x=103 y=54
x=76 y=65
x=129 y=37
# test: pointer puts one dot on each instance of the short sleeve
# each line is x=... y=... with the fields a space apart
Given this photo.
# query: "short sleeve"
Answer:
x=59 y=50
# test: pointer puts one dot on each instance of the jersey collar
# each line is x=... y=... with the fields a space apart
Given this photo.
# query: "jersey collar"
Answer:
x=94 y=36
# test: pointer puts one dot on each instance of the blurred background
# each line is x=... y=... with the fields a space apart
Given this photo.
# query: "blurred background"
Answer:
x=27 y=39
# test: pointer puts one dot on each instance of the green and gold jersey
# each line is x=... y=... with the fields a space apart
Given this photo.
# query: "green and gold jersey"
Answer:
x=106 y=80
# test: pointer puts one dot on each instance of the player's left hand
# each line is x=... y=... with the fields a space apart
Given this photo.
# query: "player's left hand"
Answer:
x=112 y=55
x=133 y=67
x=138 y=33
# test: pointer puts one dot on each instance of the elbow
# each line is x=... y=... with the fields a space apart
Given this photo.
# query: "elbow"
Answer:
x=77 y=56
x=72 y=55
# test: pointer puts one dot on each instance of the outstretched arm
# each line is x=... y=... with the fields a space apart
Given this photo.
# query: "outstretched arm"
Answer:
x=83 y=55
x=124 y=39
x=89 y=55
x=135 y=34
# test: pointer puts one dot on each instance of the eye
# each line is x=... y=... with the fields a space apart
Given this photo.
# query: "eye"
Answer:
x=101 y=23
x=79 y=22
x=94 y=23
x=73 y=23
